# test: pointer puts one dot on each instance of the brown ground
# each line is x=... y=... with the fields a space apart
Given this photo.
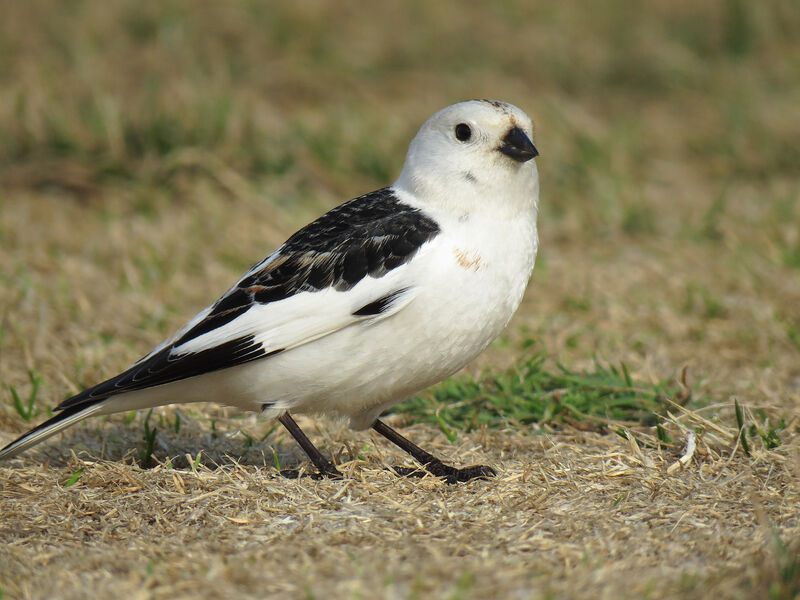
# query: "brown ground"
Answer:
x=150 y=155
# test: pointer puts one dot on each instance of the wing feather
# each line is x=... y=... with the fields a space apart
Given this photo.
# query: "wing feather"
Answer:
x=348 y=266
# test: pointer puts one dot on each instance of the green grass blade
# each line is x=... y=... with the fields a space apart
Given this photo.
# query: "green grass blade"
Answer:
x=275 y=460
x=74 y=478
x=742 y=430
x=529 y=393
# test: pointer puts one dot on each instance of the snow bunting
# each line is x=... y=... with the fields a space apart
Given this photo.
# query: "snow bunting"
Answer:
x=376 y=300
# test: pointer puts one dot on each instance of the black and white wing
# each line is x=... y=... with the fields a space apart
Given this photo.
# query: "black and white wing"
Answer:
x=294 y=296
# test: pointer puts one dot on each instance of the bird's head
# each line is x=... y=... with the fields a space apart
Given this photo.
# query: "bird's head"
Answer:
x=480 y=149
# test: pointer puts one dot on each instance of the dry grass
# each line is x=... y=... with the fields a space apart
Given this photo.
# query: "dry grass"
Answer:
x=572 y=515
x=151 y=152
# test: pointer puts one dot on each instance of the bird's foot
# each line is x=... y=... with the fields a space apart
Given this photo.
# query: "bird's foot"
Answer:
x=450 y=474
x=329 y=472
x=453 y=475
x=415 y=472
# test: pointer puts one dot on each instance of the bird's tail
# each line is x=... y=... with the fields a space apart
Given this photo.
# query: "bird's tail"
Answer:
x=61 y=420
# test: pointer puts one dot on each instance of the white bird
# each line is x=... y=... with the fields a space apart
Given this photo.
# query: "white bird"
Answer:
x=374 y=301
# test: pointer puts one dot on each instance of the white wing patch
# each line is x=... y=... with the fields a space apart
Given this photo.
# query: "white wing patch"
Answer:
x=307 y=316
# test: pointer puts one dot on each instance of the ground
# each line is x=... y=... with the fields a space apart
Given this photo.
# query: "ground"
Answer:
x=151 y=153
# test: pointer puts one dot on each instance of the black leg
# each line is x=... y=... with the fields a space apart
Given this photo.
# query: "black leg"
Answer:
x=432 y=464
x=326 y=468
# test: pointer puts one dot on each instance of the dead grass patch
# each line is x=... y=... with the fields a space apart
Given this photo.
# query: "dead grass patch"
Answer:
x=151 y=152
x=572 y=513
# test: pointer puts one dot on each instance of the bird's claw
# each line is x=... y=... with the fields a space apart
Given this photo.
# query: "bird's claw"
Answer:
x=450 y=474
x=328 y=473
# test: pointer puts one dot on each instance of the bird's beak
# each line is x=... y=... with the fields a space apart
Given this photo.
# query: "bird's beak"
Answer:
x=518 y=146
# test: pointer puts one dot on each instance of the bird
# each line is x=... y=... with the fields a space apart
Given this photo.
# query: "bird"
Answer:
x=374 y=301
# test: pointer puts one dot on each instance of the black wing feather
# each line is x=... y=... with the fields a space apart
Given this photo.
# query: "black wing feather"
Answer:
x=370 y=235
x=163 y=367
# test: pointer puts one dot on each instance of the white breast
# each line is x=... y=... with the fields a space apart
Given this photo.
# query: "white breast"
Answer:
x=470 y=281
x=467 y=283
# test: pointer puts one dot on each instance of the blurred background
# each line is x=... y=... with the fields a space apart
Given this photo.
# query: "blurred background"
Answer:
x=150 y=152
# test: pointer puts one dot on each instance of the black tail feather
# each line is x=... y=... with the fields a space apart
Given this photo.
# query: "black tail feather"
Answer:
x=45 y=430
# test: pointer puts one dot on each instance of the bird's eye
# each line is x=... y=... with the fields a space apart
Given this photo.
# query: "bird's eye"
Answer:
x=463 y=132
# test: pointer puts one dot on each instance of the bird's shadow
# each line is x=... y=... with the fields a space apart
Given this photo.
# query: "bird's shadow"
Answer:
x=119 y=442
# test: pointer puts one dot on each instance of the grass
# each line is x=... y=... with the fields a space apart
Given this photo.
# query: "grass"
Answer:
x=531 y=393
x=73 y=478
x=152 y=152
x=26 y=408
x=787 y=584
x=145 y=458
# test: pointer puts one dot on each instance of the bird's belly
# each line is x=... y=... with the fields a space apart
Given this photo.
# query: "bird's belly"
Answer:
x=463 y=300
x=365 y=368
x=361 y=370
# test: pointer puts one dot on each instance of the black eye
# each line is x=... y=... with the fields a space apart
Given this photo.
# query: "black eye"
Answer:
x=463 y=132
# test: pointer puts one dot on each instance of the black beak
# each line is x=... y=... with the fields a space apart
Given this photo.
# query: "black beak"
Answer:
x=518 y=146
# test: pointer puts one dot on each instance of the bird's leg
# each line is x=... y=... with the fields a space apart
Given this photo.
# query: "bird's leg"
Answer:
x=326 y=468
x=432 y=464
